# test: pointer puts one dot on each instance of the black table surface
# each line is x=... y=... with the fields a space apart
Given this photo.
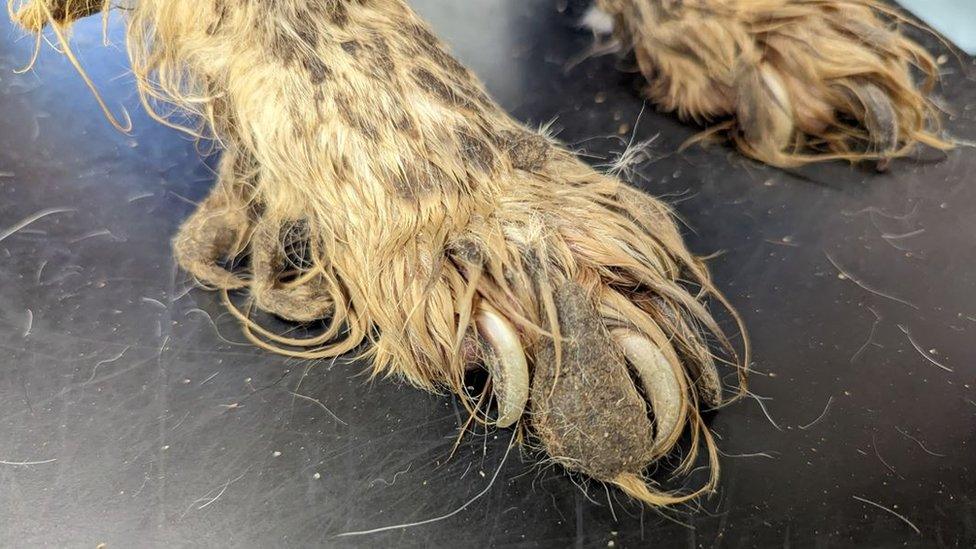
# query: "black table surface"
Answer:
x=132 y=414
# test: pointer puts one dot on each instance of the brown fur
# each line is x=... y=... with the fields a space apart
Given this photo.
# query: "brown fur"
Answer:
x=372 y=181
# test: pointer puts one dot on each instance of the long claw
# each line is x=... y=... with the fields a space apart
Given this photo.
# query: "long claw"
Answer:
x=880 y=119
x=698 y=359
x=708 y=383
x=659 y=379
x=764 y=111
x=507 y=364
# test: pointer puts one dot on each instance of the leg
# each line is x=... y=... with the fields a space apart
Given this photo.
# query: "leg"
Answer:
x=455 y=235
x=437 y=230
x=801 y=80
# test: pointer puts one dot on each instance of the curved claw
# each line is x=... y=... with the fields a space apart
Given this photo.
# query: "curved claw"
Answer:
x=708 y=382
x=507 y=363
x=697 y=358
x=880 y=119
x=659 y=379
x=764 y=111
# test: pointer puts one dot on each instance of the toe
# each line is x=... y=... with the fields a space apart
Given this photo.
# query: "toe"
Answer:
x=210 y=236
x=283 y=282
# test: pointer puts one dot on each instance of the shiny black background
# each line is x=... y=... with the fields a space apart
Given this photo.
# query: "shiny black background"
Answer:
x=151 y=425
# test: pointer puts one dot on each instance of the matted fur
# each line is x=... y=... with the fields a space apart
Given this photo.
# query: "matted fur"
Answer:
x=373 y=182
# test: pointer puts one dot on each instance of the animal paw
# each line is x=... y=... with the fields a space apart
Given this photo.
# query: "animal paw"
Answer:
x=800 y=81
x=438 y=235
x=591 y=338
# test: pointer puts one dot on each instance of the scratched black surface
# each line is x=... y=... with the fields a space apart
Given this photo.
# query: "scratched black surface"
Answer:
x=148 y=424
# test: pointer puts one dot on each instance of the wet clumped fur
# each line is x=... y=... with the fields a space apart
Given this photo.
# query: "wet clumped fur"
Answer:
x=34 y=15
x=374 y=185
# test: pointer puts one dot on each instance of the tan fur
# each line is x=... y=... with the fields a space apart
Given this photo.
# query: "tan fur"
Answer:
x=416 y=198
x=803 y=80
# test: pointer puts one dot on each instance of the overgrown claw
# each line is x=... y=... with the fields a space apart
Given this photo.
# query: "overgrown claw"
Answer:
x=506 y=361
x=698 y=359
x=879 y=118
x=707 y=381
x=764 y=111
x=661 y=380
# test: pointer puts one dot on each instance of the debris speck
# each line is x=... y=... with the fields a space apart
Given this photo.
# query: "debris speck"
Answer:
x=30 y=323
x=317 y=476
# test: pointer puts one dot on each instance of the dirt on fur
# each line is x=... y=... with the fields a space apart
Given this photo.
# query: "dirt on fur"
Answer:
x=590 y=417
